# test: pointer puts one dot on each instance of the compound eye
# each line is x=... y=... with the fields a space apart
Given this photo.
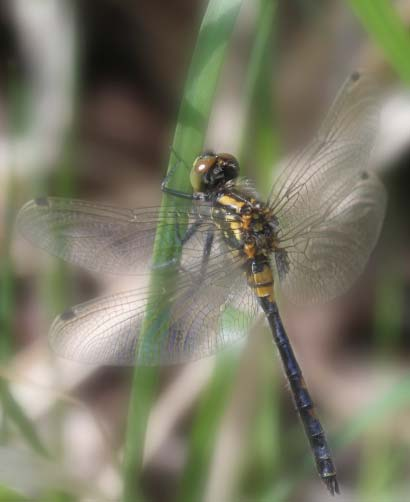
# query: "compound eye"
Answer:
x=204 y=163
x=201 y=166
x=228 y=159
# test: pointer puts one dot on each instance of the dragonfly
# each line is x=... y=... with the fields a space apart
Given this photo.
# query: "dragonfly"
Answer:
x=225 y=255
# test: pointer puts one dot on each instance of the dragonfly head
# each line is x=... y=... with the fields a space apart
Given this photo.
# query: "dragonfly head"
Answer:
x=211 y=170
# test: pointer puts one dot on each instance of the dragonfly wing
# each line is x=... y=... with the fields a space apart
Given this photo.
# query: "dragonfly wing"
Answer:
x=353 y=116
x=109 y=239
x=328 y=205
x=191 y=318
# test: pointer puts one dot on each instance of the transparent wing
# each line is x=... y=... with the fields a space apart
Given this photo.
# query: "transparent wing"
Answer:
x=353 y=116
x=329 y=207
x=191 y=318
x=110 y=239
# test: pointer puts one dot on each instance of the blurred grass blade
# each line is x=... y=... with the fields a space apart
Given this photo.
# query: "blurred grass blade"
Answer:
x=12 y=413
x=20 y=420
x=262 y=460
x=384 y=24
x=260 y=150
x=39 y=479
x=205 y=428
x=380 y=467
x=394 y=399
x=201 y=84
x=188 y=141
x=389 y=311
x=7 y=275
x=260 y=144
x=8 y=495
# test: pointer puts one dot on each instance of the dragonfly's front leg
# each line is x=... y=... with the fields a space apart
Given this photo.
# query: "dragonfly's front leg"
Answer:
x=181 y=238
x=178 y=193
x=206 y=253
x=207 y=250
x=189 y=232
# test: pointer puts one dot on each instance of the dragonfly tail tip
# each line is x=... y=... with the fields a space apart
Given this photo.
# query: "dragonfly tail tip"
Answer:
x=332 y=485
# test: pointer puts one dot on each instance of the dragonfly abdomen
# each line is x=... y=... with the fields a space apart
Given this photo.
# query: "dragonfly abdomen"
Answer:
x=303 y=401
x=260 y=277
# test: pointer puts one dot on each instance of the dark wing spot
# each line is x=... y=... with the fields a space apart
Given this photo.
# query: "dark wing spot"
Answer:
x=42 y=201
x=355 y=76
x=67 y=315
x=364 y=175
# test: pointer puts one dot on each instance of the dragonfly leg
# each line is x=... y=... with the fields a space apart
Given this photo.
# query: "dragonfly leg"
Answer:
x=204 y=264
x=190 y=231
x=177 y=193
x=303 y=401
x=207 y=250
x=182 y=240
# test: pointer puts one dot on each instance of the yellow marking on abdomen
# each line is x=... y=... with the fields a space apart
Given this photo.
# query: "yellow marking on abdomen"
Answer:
x=262 y=282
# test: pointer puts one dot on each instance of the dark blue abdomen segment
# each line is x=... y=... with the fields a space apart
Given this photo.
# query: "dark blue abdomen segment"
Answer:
x=303 y=401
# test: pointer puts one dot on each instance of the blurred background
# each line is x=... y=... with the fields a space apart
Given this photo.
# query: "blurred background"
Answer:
x=89 y=96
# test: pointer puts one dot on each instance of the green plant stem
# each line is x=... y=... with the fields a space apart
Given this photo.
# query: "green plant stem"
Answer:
x=188 y=141
x=260 y=144
x=206 y=427
x=262 y=461
x=383 y=23
x=389 y=311
x=260 y=149
x=12 y=413
x=205 y=430
x=20 y=420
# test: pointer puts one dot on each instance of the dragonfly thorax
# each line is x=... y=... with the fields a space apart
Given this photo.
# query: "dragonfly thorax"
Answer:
x=245 y=222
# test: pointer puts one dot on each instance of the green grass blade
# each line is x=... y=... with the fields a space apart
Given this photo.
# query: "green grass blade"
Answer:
x=7 y=274
x=385 y=26
x=12 y=413
x=17 y=416
x=380 y=467
x=388 y=404
x=9 y=495
x=260 y=144
x=260 y=151
x=262 y=462
x=188 y=141
x=389 y=311
x=205 y=429
x=201 y=83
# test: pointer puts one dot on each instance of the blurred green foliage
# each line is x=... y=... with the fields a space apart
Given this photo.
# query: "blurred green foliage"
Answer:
x=196 y=105
x=383 y=462
x=263 y=475
x=381 y=20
